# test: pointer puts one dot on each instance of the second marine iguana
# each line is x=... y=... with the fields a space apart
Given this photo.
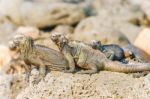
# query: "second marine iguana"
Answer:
x=92 y=60
x=38 y=55
x=115 y=52
x=112 y=51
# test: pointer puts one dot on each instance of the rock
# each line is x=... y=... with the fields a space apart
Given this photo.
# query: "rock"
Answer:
x=100 y=29
x=74 y=1
x=6 y=31
x=5 y=84
x=121 y=10
x=78 y=86
x=54 y=1
x=129 y=30
x=125 y=16
x=11 y=85
x=5 y=56
x=29 y=31
x=9 y=61
x=11 y=10
x=44 y=14
x=18 y=83
x=46 y=41
x=140 y=54
x=143 y=39
x=64 y=29
x=145 y=6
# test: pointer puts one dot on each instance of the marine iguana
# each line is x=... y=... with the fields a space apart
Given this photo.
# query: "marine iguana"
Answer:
x=38 y=55
x=91 y=60
x=113 y=51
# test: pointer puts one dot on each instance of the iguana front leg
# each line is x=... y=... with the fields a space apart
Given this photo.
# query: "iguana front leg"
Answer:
x=71 y=62
x=28 y=70
x=42 y=67
x=82 y=62
x=93 y=69
x=110 y=55
x=42 y=70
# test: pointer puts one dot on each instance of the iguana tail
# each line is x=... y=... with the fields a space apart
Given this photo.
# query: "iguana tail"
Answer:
x=126 y=68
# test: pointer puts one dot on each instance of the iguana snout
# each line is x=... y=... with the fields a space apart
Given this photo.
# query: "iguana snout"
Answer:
x=95 y=44
x=58 y=38
x=15 y=41
x=19 y=40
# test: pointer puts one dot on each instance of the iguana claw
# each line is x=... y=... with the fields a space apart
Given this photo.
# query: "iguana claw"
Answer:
x=68 y=71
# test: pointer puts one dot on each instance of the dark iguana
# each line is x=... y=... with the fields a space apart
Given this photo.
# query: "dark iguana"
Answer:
x=113 y=51
x=92 y=60
x=38 y=55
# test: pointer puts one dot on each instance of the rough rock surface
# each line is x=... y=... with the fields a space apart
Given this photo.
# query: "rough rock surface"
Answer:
x=11 y=85
x=57 y=85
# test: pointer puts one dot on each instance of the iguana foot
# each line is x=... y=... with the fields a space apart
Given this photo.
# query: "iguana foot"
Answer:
x=42 y=72
x=140 y=74
x=27 y=75
x=124 y=61
x=69 y=71
x=138 y=60
x=87 y=72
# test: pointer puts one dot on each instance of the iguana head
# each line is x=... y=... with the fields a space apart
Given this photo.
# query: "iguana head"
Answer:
x=95 y=44
x=20 y=41
x=59 y=38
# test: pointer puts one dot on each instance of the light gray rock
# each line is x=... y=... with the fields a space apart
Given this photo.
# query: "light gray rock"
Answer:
x=5 y=84
x=121 y=9
x=40 y=14
x=131 y=31
x=64 y=29
x=145 y=6
x=6 y=31
x=10 y=9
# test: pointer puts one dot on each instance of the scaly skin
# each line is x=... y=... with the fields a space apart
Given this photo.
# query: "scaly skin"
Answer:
x=38 y=56
x=112 y=51
x=92 y=60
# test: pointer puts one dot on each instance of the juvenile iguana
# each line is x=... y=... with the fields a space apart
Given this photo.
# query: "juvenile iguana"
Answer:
x=92 y=60
x=114 y=51
x=38 y=55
